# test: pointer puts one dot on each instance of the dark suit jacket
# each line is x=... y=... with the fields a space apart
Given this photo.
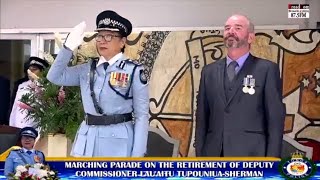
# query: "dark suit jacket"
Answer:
x=245 y=125
x=4 y=100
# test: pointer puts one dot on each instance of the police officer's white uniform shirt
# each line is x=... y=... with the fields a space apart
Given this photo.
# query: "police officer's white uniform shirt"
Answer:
x=18 y=116
x=26 y=150
x=111 y=61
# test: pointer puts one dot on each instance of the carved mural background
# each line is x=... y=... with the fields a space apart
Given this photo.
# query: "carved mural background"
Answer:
x=173 y=63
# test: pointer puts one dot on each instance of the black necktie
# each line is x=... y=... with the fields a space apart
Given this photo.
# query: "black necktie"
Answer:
x=29 y=152
x=105 y=65
x=231 y=70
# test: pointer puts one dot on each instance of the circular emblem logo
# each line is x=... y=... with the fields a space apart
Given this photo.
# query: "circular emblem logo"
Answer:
x=37 y=159
x=297 y=167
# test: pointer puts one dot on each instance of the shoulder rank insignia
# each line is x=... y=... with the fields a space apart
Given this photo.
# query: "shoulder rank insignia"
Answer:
x=143 y=77
x=134 y=62
x=95 y=58
x=122 y=64
x=13 y=149
x=118 y=79
x=16 y=148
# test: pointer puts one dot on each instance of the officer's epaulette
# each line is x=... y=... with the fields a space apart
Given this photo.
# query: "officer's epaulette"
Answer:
x=16 y=148
x=37 y=151
x=135 y=62
x=94 y=58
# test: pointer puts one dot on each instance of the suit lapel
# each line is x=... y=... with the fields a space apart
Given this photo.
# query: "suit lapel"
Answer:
x=245 y=70
x=221 y=71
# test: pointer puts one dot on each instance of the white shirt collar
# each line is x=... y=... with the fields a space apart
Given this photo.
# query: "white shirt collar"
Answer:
x=111 y=61
x=25 y=150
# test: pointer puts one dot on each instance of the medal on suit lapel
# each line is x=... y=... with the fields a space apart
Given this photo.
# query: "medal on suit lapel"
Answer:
x=245 y=85
x=251 y=91
x=252 y=84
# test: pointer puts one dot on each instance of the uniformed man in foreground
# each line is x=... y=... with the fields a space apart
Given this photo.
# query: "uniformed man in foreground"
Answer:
x=26 y=154
x=113 y=88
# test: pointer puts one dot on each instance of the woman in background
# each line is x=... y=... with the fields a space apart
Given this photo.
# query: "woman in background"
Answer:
x=18 y=116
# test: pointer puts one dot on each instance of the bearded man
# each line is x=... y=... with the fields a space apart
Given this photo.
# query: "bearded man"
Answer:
x=239 y=108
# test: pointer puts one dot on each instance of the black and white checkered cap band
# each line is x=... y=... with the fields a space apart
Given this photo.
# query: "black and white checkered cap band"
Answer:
x=28 y=133
x=111 y=22
x=36 y=62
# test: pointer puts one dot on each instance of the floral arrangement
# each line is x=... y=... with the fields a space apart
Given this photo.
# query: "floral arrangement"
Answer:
x=54 y=109
x=34 y=172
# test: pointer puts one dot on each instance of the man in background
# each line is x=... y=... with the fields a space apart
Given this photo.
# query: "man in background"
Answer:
x=240 y=110
x=4 y=100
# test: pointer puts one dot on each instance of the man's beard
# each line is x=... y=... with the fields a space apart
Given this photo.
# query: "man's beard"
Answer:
x=235 y=42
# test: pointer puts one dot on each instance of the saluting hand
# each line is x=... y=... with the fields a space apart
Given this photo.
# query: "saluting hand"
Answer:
x=75 y=37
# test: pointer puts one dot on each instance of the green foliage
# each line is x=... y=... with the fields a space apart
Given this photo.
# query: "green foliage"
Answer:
x=51 y=114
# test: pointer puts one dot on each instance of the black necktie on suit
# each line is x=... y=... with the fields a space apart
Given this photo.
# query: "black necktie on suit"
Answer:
x=29 y=152
x=231 y=70
x=105 y=65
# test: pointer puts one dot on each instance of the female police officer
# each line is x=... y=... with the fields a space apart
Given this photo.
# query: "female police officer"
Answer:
x=112 y=87
x=25 y=155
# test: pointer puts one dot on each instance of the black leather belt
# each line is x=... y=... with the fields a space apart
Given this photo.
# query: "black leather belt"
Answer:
x=107 y=119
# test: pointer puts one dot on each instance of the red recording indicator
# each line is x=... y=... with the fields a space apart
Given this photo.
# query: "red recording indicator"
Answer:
x=293 y=6
x=304 y=6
